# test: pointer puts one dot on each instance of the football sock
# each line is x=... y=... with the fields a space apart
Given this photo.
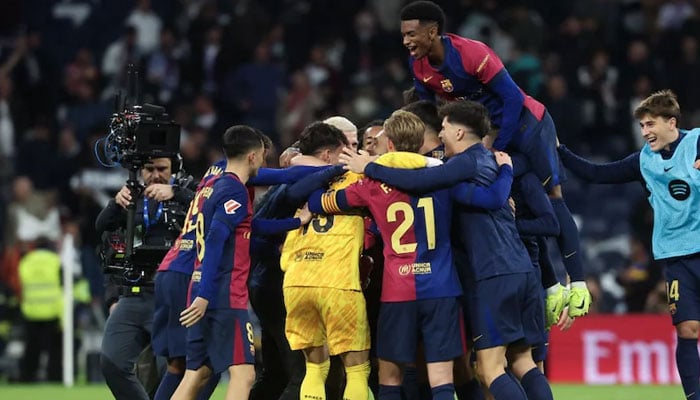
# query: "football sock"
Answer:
x=168 y=385
x=506 y=388
x=536 y=385
x=688 y=363
x=356 y=387
x=443 y=392
x=313 y=386
x=409 y=385
x=568 y=240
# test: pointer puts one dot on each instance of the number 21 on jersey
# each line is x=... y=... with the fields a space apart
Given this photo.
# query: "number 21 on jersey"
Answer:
x=392 y=214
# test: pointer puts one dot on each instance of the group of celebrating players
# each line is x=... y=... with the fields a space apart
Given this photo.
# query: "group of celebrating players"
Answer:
x=467 y=288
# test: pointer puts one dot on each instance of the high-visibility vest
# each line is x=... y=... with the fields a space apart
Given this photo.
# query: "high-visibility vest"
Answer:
x=40 y=277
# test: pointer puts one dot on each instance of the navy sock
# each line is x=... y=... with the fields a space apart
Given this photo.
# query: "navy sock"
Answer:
x=443 y=392
x=409 y=385
x=470 y=391
x=505 y=388
x=688 y=363
x=536 y=385
x=568 y=240
x=209 y=388
x=168 y=385
x=389 y=392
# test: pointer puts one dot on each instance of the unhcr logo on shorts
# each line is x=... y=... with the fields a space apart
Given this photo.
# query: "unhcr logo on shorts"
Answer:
x=415 y=269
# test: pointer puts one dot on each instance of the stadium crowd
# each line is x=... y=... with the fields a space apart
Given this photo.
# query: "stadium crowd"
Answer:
x=279 y=65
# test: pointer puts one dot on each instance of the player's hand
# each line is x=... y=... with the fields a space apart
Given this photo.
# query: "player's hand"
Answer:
x=123 y=197
x=566 y=320
x=355 y=162
x=579 y=299
x=305 y=215
x=696 y=164
x=159 y=191
x=554 y=304
x=287 y=155
x=194 y=312
x=503 y=158
x=511 y=203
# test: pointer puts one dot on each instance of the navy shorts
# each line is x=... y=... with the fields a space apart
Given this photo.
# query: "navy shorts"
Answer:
x=683 y=288
x=437 y=322
x=224 y=337
x=169 y=337
x=506 y=309
x=539 y=145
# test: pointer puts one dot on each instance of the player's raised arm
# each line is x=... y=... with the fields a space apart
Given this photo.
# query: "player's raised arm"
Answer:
x=621 y=171
x=272 y=176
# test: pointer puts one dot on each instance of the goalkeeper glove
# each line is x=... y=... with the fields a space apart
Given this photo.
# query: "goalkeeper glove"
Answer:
x=579 y=299
x=554 y=304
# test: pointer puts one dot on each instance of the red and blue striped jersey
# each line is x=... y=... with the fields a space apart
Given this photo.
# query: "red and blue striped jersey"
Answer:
x=221 y=274
x=418 y=260
x=180 y=257
x=472 y=71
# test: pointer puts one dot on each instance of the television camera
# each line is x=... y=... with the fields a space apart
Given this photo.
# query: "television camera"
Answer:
x=137 y=133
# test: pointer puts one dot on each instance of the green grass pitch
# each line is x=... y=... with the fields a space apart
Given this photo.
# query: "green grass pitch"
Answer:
x=561 y=392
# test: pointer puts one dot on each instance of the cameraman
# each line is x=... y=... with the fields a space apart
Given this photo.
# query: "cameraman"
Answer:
x=160 y=210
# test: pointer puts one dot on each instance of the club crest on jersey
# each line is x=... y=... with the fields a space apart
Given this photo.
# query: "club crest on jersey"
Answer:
x=447 y=85
x=231 y=206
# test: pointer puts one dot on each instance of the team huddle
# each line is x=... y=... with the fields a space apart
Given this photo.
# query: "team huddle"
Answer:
x=468 y=291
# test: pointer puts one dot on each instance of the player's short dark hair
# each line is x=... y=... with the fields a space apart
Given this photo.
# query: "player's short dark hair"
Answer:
x=424 y=11
x=471 y=114
x=663 y=103
x=319 y=136
x=363 y=131
x=428 y=113
x=240 y=140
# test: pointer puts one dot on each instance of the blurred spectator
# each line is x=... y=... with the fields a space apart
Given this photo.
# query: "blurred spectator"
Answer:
x=163 y=68
x=80 y=77
x=36 y=155
x=31 y=215
x=41 y=303
x=298 y=108
x=685 y=80
x=254 y=90
x=117 y=57
x=147 y=24
x=673 y=13
x=598 y=82
x=639 y=277
x=565 y=110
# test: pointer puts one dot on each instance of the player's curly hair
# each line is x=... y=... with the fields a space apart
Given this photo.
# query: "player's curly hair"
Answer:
x=663 y=103
x=424 y=11
x=471 y=114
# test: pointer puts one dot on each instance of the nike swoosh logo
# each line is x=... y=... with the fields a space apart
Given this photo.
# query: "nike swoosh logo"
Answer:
x=427 y=78
x=569 y=255
x=581 y=305
x=668 y=169
x=477 y=338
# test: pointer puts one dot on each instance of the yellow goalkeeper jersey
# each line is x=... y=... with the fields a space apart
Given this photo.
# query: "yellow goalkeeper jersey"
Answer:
x=326 y=251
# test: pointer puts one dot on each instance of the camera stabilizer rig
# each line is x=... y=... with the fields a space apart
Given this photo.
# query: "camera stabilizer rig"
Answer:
x=137 y=134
